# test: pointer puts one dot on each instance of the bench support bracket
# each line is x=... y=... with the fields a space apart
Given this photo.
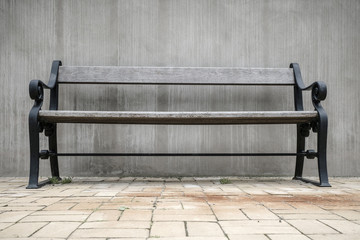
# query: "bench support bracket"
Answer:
x=320 y=126
x=36 y=90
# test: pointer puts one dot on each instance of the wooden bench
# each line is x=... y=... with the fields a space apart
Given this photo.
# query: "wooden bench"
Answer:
x=46 y=120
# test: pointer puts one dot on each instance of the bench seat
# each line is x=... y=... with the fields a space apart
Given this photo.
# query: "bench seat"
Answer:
x=122 y=117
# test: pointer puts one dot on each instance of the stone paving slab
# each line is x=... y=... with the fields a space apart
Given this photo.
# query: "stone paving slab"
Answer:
x=180 y=209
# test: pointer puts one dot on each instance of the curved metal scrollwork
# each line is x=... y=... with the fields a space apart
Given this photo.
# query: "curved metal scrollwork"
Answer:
x=36 y=87
x=319 y=91
x=36 y=90
x=318 y=88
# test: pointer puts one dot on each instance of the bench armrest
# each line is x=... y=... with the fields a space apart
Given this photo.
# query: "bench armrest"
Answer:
x=318 y=94
x=36 y=87
x=317 y=88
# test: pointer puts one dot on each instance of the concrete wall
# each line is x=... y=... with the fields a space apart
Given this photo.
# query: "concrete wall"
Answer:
x=322 y=36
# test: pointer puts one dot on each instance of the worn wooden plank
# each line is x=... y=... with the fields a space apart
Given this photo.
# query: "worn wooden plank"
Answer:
x=268 y=117
x=176 y=75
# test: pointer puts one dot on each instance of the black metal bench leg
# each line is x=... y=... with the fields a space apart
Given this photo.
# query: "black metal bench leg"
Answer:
x=34 y=152
x=54 y=159
x=36 y=91
x=302 y=132
x=322 y=138
x=300 y=158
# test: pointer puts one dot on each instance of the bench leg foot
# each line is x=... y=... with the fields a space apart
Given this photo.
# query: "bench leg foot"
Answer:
x=39 y=185
x=319 y=184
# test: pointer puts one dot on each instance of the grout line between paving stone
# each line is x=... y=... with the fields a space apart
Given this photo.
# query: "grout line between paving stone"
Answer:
x=329 y=226
x=266 y=235
x=122 y=212
x=336 y=214
x=182 y=205
x=354 y=221
x=110 y=200
x=244 y=214
x=39 y=229
x=309 y=237
x=294 y=227
x=133 y=180
x=155 y=206
x=217 y=220
x=85 y=220
x=62 y=198
x=186 y=229
x=290 y=205
x=72 y=206
x=18 y=220
x=237 y=186
x=281 y=219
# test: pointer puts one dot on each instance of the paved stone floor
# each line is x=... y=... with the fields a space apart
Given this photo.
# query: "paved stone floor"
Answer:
x=187 y=208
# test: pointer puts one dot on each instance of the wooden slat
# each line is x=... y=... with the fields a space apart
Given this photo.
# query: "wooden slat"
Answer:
x=173 y=75
x=268 y=117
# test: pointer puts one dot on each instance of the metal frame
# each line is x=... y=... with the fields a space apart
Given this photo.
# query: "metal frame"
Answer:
x=36 y=89
x=320 y=126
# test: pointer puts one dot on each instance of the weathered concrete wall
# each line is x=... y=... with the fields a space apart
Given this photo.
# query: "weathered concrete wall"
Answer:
x=323 y=36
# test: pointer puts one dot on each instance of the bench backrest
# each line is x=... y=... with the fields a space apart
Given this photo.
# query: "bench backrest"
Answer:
x=176 y=75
